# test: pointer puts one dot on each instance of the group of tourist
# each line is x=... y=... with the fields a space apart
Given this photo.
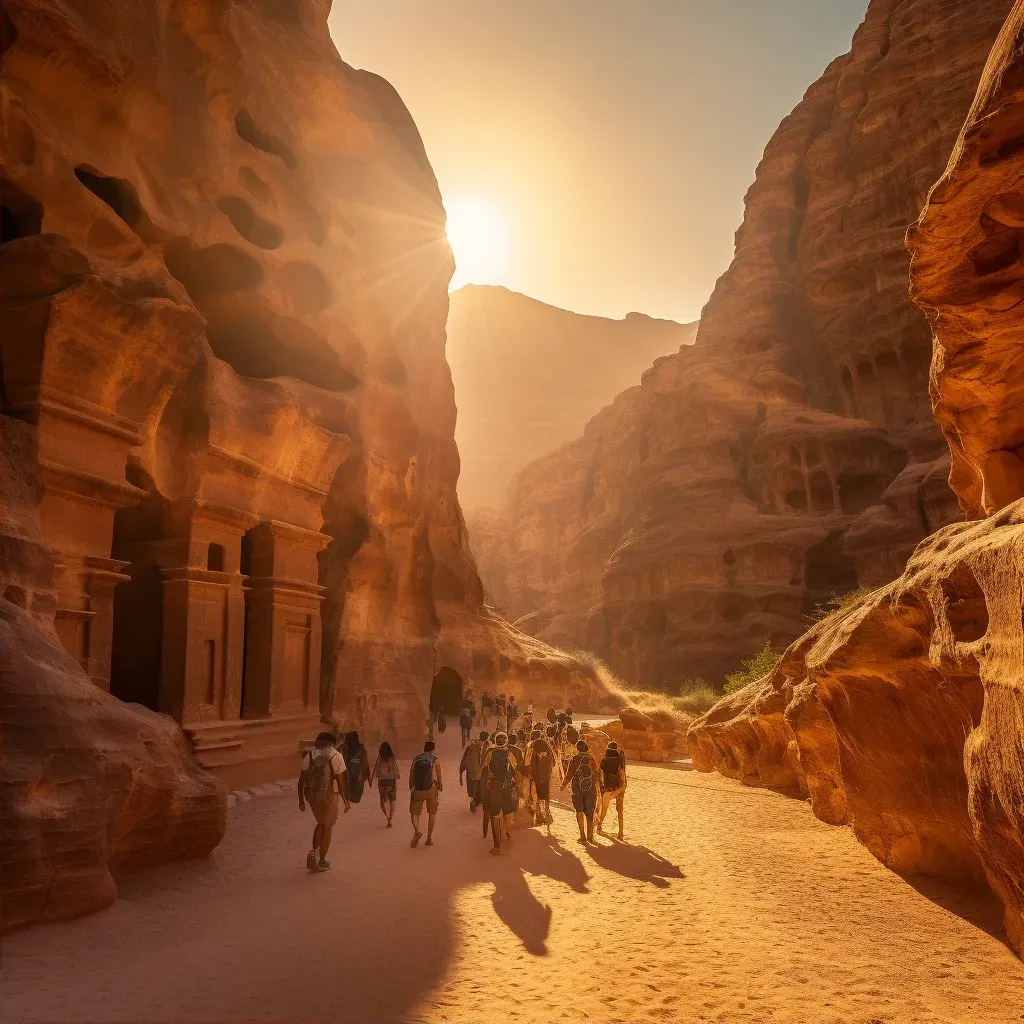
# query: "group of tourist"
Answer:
x=503 y=770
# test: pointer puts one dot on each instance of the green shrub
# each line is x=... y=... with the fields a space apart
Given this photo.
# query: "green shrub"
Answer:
x=696 y=696
x=753 y=669
x=836 y=601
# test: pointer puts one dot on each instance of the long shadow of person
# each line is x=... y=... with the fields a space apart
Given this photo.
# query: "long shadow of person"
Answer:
x=637 y=862
x=515 y=904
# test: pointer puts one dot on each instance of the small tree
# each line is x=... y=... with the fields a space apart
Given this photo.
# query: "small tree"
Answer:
x=753 y=668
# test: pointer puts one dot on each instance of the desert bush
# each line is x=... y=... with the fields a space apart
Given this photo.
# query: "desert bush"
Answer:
x=834 y=602
x=753 y=669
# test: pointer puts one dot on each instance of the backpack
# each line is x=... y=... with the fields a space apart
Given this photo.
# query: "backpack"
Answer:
x=422 y=772
x=583 y=780
x=319 y=787
x=610 y=765
x=541 y=760
x=502 y=769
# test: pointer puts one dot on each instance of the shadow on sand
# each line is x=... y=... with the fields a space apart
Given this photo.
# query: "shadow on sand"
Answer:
x=637 y=862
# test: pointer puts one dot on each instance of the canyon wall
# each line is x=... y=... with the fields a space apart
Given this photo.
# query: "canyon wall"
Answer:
x=791 y=453
x=902 y=715
x=528 y=376
x=229 y=468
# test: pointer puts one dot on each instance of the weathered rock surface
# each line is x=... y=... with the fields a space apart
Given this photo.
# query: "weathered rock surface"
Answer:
x=968 y=276
x=223 y=290
x=791 y=452
x=528 y=376
x=88 y=786
x=902 y=715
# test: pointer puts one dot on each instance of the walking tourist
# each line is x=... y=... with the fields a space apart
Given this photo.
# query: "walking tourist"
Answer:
x=466 y=711
x=472 y=758
x=499 y=770
x=357 y=764
x=385 y=769
x=613 y=784
x=321 y=782
x=541 y=760
x=485 y=706
x=511 y=714
x=499 y=714
x=424 y=787
x=582 y=774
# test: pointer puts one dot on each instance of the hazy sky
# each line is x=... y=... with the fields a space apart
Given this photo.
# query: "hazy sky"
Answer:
x=615 y=137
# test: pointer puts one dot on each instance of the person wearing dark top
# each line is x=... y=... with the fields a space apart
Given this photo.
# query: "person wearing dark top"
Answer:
x=613 y=785
x=583 y=774
x=540 y=763
x=498 y=769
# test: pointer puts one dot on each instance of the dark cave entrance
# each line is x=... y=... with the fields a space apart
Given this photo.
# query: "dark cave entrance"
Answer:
x=446 y=691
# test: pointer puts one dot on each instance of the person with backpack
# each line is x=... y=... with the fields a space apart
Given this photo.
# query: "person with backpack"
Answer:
x=321 y=782
x=424 y=785
x=385 y=768
x=358 y=764
x=499 y=770
x=466 y=720
x=541 y=762
x=583 y=773
x=613 y=784
x=472 y=758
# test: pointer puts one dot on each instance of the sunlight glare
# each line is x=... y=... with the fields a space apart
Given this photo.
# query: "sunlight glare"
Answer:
x=478 y=234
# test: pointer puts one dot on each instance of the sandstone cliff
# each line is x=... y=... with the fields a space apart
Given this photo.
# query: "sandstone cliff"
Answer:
x=790 y=453
x=902 y=715
x=228 y=428
x=528 y=376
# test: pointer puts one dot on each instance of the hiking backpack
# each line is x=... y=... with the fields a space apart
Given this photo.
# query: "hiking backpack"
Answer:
x=319 y=787
x=610 y=765
x=502 y=769
x=422 y=772
x=583 y=780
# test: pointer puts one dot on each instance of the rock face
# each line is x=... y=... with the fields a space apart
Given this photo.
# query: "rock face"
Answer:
x=902 y=715
x=528 y=376
x=968 y=278
x=228 y=428
x=791 y=452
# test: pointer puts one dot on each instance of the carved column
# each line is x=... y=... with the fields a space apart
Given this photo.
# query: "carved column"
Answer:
x=204 y=621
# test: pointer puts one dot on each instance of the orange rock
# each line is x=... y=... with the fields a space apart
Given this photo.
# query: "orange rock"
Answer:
x=791 y=452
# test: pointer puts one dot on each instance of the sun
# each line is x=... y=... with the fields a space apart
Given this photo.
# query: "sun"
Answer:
x=479 y=237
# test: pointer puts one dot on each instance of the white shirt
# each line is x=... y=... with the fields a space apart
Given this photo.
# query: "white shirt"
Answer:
x=337 y=761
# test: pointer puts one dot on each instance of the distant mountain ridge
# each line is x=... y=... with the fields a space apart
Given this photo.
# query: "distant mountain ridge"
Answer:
x=528 y=376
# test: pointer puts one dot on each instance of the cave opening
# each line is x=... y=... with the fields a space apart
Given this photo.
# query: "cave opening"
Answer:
x=20 y=214
x=446 y=691
x=859 y=491
x=966 y=607
x=118 y=194
x=249 y=224
x=266 y=142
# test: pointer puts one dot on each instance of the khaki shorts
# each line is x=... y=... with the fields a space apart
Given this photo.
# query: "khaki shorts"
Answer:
x=326 y=815
x=417 y=798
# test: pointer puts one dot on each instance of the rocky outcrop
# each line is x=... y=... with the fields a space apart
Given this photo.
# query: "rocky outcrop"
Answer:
x=528 y=376
x=225 y=407
x=902 y=714
x=969 y=279
x=791 y=452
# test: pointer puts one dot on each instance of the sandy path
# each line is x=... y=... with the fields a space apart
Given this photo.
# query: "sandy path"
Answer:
x=727 y=904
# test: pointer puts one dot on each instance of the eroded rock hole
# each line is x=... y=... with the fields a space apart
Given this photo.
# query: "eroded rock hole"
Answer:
x=264 y=141
x=20 y=214
x=966 y=608
x=118 y=194
x=249 y=224
x=16 y=596
x=1001 y=249
x=255 y=349
x=215 y=269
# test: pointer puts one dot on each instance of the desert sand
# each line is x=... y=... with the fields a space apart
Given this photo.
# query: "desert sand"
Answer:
x=724 y=904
